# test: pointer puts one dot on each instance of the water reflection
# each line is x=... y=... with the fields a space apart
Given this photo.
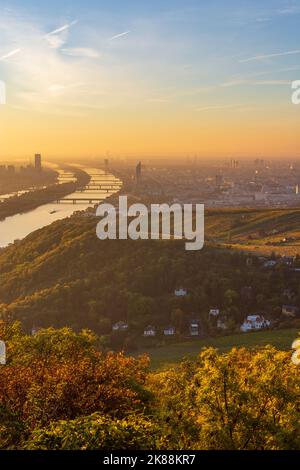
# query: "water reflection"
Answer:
x=19 y=226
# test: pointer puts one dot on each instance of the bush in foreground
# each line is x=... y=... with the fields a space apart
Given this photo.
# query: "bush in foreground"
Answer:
x=58 y=391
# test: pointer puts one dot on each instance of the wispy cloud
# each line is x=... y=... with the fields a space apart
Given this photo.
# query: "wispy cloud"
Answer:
x=289 y=10
x=262 y=20
x=42 y=79
x=271 y=82
x=217 y=107
x=251 y=78
x=10 y=54
x=81 y=52
x=270 y=56
x=255 y=82
x=59 y=88
x=119 y=35
x=173 y=94
x=157 y=100
x=234 y=82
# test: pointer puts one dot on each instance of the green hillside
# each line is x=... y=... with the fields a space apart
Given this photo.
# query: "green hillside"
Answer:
x=63 y=275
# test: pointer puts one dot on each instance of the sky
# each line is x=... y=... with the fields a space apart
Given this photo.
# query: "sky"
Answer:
x=140 y=78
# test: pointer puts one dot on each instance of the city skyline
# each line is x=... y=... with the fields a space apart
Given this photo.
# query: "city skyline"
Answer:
x=150 y=80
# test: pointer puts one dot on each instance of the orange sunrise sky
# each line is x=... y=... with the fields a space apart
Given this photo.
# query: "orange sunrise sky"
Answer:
x=162 y=79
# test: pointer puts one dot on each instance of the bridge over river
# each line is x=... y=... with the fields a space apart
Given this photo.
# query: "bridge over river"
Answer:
x=76 y=200
x=99 y=187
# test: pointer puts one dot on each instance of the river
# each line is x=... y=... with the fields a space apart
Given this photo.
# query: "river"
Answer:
x=19 y=226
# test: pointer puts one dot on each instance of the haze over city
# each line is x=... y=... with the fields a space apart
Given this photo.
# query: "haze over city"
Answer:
x=157 y=79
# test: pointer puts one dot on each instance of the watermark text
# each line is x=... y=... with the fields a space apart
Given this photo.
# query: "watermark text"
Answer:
x=2 y=92
x=162 y=221
x=296 y=92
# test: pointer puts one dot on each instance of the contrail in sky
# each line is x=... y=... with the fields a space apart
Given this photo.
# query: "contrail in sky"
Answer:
x=10 y=54
x=62 y=28
x=269 y=56
x=119 y=35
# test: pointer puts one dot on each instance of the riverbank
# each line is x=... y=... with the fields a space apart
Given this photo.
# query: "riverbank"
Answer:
x=22 y=181
x=33 y=199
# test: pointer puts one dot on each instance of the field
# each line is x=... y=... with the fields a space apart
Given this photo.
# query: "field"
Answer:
x=162 y=357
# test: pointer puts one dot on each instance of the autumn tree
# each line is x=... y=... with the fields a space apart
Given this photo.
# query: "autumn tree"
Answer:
x=56 y=375
x=239 y=400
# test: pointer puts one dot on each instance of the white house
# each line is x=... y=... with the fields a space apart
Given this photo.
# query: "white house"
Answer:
x=270 y=263
x=2 y=353
x=289 y=310
x=170 y=331
x=288 y=293
x=120 y=326
x=254 y=322
x=150 y=331
x=89 y=214
x=194 y=328
x=221 y=324
x=214 y=312
x=180 y=292
x=35 y=330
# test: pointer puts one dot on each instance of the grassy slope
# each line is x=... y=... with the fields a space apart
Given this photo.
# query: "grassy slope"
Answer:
x=164 y=356
x=234 y=227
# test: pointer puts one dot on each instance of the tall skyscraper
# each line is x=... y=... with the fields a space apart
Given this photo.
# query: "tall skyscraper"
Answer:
x=11 y=169
x=219 y=181
x=38 y=162
x=138 y=172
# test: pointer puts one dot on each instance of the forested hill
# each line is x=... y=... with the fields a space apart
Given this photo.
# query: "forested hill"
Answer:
x=63 y=275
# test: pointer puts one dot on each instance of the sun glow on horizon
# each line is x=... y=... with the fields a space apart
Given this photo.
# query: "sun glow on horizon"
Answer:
x=161 y=81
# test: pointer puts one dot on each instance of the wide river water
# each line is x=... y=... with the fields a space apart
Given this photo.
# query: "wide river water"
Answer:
x=19 y=226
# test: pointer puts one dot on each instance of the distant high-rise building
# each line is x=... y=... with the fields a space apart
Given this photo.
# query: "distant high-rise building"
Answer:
x=259 y=162
x=106 y=163
x=138 y=172
x=219 y=181
x=38 y=162
x=11 y=169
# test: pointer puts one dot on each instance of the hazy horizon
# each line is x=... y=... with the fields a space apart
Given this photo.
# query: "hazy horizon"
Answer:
x=192 y=159
x=142 y=80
